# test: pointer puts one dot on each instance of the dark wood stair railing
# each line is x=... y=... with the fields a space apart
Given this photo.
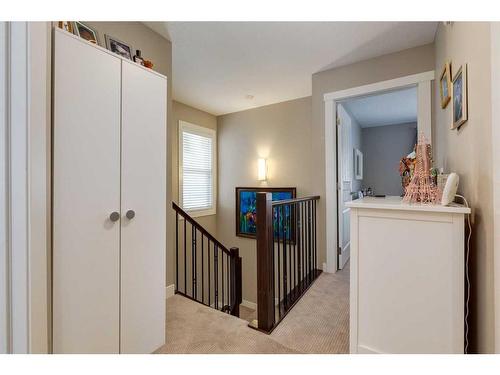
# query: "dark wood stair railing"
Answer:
x=205 y=270
x=286 y=256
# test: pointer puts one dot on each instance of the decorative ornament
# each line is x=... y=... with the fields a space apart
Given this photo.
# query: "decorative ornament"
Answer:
x=422 y=187
x=406 y=169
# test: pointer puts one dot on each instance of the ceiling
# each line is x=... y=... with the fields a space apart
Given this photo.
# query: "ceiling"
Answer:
x=223 y=67
x=390 y=108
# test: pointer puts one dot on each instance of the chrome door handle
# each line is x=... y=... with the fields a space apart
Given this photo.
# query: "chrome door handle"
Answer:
x=130 y=214
x=114 y=216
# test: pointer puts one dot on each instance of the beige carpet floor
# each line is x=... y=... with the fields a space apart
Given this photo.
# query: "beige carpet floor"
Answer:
x=318 y=323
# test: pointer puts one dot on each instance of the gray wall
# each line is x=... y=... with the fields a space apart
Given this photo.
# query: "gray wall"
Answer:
x=469 y=152
x=183 y=112
x=383 y=147
x=399 y=64
x=281 y=133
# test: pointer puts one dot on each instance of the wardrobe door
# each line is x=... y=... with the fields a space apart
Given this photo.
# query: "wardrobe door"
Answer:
x=143 y=239
x=86 y=190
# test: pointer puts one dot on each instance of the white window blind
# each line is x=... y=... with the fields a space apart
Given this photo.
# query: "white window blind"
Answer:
x=197 y=168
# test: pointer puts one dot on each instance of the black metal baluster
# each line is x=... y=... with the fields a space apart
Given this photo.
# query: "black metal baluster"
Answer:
x=176 y=251
x=315 y=254
x=231 y=278
x=274 y=271
x=228 y=278
x=222 y=275
x=293 y=279
x=297 y=236
x=304 y=238
x=208 y=269
x=216 y=276
x=301 y=213
x=202 y=271
x=193 y=261
x=285 y=263
x=293 y=240
x=279 y=257
x=290 y=255
x=309 y=245
x=185 y=259
x=293 y=235
x=301 y=229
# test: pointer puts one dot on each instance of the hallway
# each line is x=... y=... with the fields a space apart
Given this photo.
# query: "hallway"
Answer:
x=319 y=323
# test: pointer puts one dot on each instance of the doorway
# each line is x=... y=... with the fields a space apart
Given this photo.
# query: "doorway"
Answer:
x=334 y=222
x=373 y=133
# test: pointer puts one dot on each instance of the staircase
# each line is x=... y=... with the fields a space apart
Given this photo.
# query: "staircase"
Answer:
x=206 y=271
x=287 y=261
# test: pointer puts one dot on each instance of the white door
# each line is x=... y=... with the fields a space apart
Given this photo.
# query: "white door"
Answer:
x=86 y=190
x=344 y=175
x=143 y=239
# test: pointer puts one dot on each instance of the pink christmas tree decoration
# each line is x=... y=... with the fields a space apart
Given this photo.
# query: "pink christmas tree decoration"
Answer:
x=422 y=188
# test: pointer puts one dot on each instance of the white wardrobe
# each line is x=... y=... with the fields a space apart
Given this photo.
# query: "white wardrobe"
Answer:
x=109 y=201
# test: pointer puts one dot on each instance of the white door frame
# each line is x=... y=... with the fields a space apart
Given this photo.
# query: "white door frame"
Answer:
x=4 y=259
x=423 y=83
x=14 y=190
x=345 y=169
x=24 y=123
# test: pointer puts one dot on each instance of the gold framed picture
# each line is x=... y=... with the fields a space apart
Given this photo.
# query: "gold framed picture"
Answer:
x=445 y=85
x=459 y=94
x=86 y=32
x=66 y=25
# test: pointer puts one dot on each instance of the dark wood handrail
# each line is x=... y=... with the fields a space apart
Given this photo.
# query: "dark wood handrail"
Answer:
x=199 y=227
x=295 y=200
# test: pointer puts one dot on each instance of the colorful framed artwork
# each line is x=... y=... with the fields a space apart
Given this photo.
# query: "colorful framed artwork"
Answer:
x=459 y=93
x=246 y=207
x=445 y=85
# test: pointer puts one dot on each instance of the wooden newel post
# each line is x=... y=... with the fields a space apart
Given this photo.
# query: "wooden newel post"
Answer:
x=236 y=292
x=265 y=303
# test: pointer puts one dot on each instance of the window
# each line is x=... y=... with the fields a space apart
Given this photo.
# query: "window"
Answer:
x=197 y=169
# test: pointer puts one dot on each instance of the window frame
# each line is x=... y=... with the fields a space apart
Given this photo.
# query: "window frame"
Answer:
x=205 y=132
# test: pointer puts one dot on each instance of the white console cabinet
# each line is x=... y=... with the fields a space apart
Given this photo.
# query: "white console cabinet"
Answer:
x=407 y=277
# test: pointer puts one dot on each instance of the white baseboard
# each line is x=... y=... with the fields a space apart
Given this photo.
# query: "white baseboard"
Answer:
x=367 y=350
x=249 y=304
x=169 y=290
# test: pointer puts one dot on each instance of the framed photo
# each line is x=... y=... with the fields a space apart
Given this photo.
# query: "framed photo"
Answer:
x=118 y=47
x=459 y=93
x=86 y=32
x=246 y=216
x=66 y=25
x=358 y=164
x=445 y=85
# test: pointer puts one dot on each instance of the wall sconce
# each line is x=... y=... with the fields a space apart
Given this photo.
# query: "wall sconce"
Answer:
x=262 y=170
